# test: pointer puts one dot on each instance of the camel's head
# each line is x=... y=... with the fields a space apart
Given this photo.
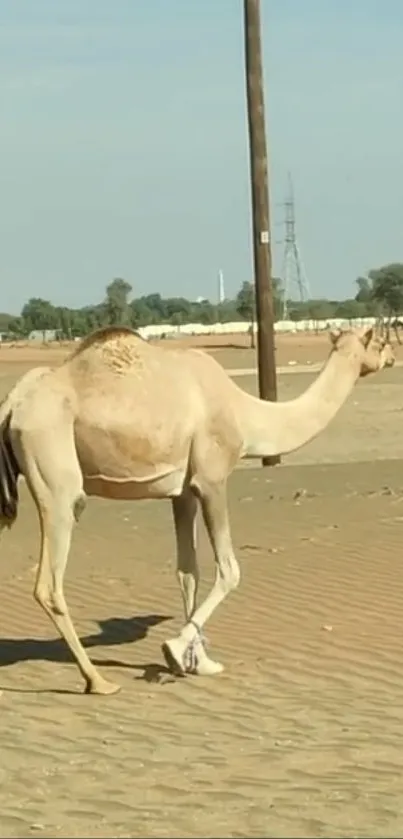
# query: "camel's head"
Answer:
x=372 y=351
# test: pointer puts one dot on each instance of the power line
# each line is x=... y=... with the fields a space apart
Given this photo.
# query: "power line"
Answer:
x=293 y=273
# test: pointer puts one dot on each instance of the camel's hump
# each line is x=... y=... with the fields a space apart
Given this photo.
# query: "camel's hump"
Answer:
x=104 y=335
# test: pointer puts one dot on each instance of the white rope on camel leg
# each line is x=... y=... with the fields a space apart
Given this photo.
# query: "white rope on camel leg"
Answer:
x=191 y=652
x=200 y=637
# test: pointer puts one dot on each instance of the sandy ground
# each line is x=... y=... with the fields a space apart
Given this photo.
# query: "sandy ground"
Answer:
x=302 y=734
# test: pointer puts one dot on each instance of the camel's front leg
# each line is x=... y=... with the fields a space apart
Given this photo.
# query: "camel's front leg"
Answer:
x=196 y=659
x=214 y=505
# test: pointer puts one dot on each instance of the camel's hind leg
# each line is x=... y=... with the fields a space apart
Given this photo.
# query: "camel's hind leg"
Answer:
x=2 y=527
x=185 y=512
x=57 y=490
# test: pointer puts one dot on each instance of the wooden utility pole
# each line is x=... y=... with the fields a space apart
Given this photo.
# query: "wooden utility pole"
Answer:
x=260 y=208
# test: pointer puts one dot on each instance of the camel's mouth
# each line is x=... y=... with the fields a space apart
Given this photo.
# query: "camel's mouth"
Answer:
x=388 y=359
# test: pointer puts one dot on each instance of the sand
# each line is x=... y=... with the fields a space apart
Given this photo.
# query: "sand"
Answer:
x=302 y=733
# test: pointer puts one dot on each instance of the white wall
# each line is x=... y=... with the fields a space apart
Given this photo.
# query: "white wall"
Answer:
x=239 y=327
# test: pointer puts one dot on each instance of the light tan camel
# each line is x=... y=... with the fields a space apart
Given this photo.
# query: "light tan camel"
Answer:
x=124 y=419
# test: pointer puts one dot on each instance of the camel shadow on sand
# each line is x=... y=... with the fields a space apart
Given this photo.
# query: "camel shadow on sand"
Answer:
x=112 y=632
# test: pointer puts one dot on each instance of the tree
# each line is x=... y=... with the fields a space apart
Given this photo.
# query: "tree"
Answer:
x=382 y=293
x=364 y=293
x=205 y=312
x=5 y=321
x=178 y=307
x=117 y=304
x=226 y=311
x=387 y=290
x=39 y=314
x=65 y=317
x=365 y=296
x=350 y=309
x=246 y=307
x=16 y=328
x=278 y=297
x=378 y=293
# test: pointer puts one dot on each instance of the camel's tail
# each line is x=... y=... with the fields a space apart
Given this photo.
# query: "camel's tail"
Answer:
x=9 y=466
x=9 y=474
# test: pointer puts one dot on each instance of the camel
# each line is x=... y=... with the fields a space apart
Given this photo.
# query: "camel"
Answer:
x=121 y=418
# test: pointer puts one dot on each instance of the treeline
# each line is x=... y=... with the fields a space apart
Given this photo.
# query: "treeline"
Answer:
x=380 y=293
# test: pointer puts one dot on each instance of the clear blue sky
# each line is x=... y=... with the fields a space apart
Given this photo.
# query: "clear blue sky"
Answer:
x=124 y=144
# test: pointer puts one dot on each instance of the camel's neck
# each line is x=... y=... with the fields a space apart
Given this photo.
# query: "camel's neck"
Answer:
x=279 y=427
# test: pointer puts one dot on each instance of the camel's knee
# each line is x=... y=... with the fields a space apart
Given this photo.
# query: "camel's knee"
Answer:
x=67 y=506
x=43 y=596
x=61 y=509
x=79 y=506
x=49 y=600
x=229 y=574
x=188 y=579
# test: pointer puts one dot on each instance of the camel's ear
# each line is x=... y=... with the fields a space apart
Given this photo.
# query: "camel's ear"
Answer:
x=366 y=335
x=334 y=335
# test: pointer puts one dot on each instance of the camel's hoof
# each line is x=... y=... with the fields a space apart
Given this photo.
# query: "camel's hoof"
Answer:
x=173 y=652
x=206 y=667
x=101 y=687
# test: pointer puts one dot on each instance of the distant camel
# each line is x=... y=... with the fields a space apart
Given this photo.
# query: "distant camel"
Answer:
x=123 y=419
